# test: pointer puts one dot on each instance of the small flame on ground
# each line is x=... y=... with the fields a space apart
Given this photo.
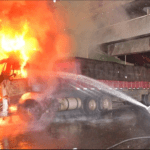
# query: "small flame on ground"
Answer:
x=13 y=109
x=1 y=121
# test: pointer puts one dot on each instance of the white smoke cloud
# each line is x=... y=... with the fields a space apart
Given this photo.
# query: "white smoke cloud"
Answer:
x=85 y=18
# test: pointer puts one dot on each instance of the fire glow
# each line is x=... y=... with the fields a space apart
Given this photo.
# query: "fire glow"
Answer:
x=21 y=43
x=13 y=108
x=29 y=26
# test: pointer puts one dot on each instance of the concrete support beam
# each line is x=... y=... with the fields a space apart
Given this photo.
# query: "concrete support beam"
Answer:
x=124 y=30
x=129 y=47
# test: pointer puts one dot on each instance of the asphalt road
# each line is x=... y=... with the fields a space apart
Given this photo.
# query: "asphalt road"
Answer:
x=80 y=133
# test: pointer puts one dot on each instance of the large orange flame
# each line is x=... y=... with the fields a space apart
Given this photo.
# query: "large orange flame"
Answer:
x=17 y=41
x=29 y=26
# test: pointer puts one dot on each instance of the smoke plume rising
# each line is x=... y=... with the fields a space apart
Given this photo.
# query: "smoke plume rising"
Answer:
x=86 y=18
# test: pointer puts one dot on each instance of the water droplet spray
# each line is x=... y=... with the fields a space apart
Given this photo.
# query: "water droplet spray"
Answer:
x=105 y=88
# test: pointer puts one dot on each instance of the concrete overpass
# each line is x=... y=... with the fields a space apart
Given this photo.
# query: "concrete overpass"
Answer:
x=127 y=36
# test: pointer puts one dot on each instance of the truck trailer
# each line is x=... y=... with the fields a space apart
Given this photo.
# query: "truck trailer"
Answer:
x=70 y=95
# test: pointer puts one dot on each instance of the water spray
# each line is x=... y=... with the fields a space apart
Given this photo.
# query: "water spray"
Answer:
x=148 y=108
x=105 y=88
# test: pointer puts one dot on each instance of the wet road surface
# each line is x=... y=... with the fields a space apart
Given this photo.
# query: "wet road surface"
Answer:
x=82 y=133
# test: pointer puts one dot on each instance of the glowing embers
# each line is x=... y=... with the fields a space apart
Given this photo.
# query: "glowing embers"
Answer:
x=9 y=43
x=13 y=109
x=2 y=121
x=17 y=44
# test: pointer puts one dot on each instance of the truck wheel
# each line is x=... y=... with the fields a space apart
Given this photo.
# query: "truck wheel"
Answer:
x=90 y=106
x=105 y=103
x=30 y=110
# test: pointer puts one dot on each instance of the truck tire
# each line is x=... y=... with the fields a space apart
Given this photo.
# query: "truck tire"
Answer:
x=105 y=103
x=90 y=106
x=30 y=110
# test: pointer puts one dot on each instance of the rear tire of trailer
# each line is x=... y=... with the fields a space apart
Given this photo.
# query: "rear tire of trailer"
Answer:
x=90 y=106
x=105 y=103
x=30 y=110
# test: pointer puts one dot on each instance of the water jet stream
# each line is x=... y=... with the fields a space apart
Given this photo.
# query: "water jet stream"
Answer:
x=102 y=86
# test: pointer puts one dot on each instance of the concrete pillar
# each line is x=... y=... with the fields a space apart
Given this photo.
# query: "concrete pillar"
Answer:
x=148 y=10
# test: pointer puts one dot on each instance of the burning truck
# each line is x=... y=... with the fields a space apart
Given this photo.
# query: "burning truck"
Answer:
x=73 y=89
x=48 y=83
x=69 y=85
